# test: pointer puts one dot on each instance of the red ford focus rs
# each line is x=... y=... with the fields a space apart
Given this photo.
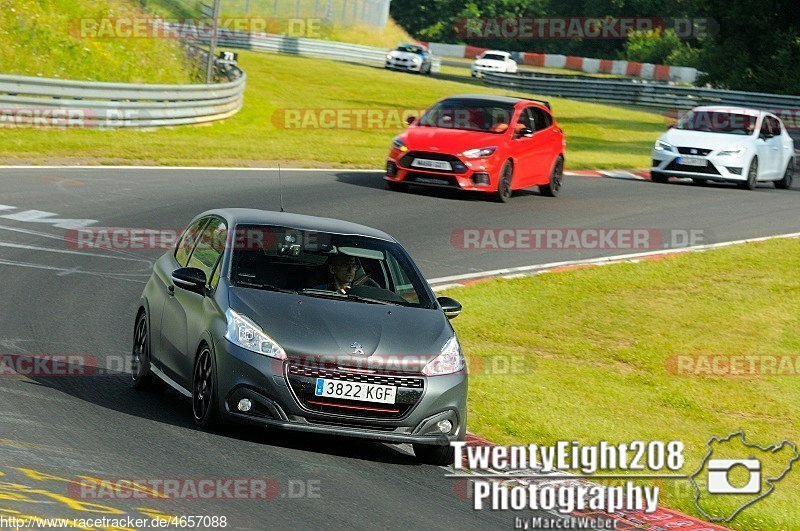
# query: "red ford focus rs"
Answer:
x=481 y=143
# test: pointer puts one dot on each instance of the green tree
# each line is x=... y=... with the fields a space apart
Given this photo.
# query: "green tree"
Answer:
x=659 y=46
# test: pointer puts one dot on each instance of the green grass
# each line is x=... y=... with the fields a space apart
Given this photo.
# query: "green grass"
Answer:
x=595 y=343
x=42 y=38
x=598 y=136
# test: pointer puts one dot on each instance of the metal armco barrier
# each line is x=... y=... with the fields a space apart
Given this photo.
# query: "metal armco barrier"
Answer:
x=339 y=51
x=43 y=102
x=647 y=94
x=657 y=95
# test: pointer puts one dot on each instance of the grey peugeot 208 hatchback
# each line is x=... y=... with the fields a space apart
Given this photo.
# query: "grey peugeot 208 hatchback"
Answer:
x=303 y=323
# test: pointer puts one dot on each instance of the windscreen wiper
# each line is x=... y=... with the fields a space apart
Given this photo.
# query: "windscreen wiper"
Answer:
x=266 y=287
x=344 y=296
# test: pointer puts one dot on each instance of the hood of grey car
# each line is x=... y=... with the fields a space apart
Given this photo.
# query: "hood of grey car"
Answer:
x=346 y=333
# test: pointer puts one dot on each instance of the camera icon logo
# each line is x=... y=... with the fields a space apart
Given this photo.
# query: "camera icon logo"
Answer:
x=736 y=473
x=719 y=472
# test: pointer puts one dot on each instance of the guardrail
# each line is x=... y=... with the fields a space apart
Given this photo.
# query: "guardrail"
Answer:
x=339 y=51
x=641 y=93
x=653 y=94
x=44 y=102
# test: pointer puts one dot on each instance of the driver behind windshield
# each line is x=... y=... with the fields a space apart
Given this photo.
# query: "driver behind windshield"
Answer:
x=342 y=269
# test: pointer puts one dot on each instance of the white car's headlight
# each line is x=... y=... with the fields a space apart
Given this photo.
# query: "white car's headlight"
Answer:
x=480 y=153
x=449 y=361
x=388 y=56
x=248 y=335
x=663 y=146
x=738 y=152
x=416 y=59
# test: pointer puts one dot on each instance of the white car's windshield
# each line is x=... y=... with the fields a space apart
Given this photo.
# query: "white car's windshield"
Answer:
x=409 y=48
x=718 y=122
x=494 y=57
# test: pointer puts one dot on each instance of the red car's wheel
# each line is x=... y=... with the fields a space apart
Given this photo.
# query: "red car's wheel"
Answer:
x=504 y=186
x=553 y=188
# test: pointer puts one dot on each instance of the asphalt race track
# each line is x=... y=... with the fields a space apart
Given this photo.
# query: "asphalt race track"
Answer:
x=61 y=300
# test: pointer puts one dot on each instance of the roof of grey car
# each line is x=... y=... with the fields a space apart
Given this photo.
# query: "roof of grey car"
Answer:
x=296 y=221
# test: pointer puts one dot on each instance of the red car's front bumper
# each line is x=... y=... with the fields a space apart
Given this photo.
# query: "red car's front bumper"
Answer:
x=477 y=175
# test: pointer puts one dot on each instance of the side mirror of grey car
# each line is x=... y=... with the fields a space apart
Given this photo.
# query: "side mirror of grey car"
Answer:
x=190 y=279
x=450 y=307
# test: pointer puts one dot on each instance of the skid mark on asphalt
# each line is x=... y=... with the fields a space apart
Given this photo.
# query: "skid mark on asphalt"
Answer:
x=68 y=239
x=70 y=498
x=41 y=216
x=50 y=218
x=61 y=181
x=125 y=277
x=65 y=251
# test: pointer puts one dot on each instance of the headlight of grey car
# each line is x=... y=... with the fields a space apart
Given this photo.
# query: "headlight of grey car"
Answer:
x=450 y=360
x=245 y=333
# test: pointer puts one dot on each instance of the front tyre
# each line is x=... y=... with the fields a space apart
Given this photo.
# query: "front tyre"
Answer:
x=204 y=390
x=434 y=454
x=396 y=186
x=504 y=186
x=752 y=177
x=658 y=177
x=140 y=356
x=786 y=182
x=553 y=188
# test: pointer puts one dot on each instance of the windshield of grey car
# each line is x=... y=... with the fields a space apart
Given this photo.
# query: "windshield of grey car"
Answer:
x=310 y=263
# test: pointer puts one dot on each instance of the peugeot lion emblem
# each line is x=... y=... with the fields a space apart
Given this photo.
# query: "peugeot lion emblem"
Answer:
x=358 y=350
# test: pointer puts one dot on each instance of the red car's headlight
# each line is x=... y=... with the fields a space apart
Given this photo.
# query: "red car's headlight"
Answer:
x=480 y=153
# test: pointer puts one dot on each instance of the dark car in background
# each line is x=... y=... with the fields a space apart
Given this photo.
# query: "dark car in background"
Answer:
x=245 y=318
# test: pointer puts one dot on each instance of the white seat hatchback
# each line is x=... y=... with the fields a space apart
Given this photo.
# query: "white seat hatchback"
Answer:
x=726 y=144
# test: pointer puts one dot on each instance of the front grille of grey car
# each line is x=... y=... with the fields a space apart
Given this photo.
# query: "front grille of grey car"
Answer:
x=303 y=378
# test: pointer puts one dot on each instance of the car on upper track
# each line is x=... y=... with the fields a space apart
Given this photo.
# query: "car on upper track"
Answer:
x=481 y=143
x=410 y=58
x=303 y=323
x=726 y=144
x=493 y=61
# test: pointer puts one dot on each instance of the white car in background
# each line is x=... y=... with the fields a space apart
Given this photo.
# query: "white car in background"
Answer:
x=493 y=61
x=726 y=144
x=410 y=58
